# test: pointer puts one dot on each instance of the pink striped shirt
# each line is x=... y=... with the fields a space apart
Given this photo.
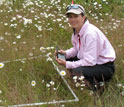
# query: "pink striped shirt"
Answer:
x=95 y=48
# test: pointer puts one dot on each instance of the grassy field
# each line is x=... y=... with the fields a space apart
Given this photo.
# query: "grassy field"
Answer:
x=29 y=28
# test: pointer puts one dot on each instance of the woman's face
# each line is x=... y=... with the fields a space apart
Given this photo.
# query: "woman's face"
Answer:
x=76 y=21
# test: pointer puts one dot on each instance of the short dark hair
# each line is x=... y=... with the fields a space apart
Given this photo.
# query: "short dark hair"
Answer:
x=82 y=14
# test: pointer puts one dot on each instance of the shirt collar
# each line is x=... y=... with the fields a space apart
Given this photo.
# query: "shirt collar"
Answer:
x=83 y=28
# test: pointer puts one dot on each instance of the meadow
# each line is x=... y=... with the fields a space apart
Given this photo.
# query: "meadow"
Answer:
x=30 y=30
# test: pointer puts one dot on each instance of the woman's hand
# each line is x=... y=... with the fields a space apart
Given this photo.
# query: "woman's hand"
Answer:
x=60 y=51
x=61 y=61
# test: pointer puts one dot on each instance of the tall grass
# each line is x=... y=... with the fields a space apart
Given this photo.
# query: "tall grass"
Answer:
x=27 y=26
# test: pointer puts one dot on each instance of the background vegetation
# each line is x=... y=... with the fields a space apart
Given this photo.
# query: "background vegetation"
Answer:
x=27 y=25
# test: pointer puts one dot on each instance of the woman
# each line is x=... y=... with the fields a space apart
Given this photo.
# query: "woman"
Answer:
x=92 y=55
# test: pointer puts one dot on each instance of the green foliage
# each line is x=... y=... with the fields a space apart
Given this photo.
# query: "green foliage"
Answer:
x=47 y=31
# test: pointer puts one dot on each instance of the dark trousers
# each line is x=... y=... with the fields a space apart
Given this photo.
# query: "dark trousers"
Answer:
x=99 y=73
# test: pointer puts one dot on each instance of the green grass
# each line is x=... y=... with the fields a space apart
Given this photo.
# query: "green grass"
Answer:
x=46 y=29
x=16 y=78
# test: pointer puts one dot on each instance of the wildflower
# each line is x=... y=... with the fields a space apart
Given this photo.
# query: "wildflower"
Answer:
x=0 y=91
x=101 y=20
x=81 y=89
x=14 y=42
x=77 y=84
x=23 y=61
x=122 y=93
x=33 y=83
x=100 y=5
x=63 y=105
x=91 y=93
x=30 y=54
x=106 y=14
x=81 y=78
x=18 y=37
x=1 y=65
x=52 y=47
x=14 y=18
x=54 y=89
x=101 y=83
x=42 y=48
x=39 y=28
x=83 y=85
x=33 y=48
x=63 y=73
x=119 y=85
x=95 y=3
x=59 y=20
x=47 y=85
x=5 y=24
x=20 y=69
x=42 y=81
x=24 y=42
x=1 y=38
x=52 y=82
x=48 y=48
x=19 y=16
x=75 y=80
x=75 y=77
x=27 y=21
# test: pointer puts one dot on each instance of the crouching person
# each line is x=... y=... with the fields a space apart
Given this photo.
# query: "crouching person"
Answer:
x=92 y=55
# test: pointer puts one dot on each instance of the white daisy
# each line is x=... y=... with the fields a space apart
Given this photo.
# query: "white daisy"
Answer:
x=14 y=42
x=48 y=48
x=75 y=80
x=91 y=93
x=81 y=78
x=81 y=89
x=54 y=89
x=63 y=73
x=18 y=37
x=42 y=48
x=1 y=65
x=122 y=93
x=52 y=47
x=47 y=85
x=33 y=83
x=101 y=83
x=95 y=3
x=0 y=91
x=19 y=16
x=20 y=69
x=52 y=82
x=1 y=38
x=83 y=85
x=75 y=77
x=119 y=85
x=63 y=105
x=77 y=84
x=42 y=81
x=27 y=21
x=30 y=54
